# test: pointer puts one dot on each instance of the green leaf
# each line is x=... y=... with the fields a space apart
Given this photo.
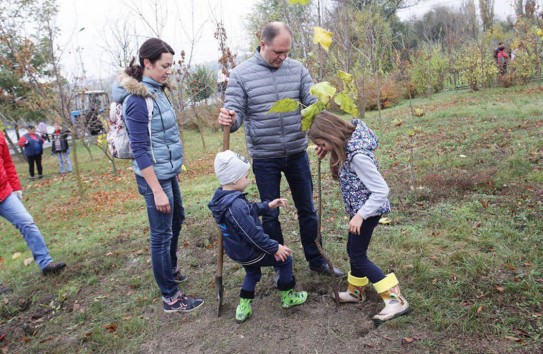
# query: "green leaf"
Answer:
x=324 y=91
x=346 y=103
x=301 y=2
x=310 y=112
x=349 y=86
x=322 y=37
x=345 y=77
x=284 y=105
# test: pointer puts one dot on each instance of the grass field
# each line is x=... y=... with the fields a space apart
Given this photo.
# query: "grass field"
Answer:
x=465 y=241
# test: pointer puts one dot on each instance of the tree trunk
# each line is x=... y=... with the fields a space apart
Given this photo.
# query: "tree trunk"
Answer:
x=18 y=153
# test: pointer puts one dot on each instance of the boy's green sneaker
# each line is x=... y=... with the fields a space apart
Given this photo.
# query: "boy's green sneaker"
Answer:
x=244 y=310
x=291 y=298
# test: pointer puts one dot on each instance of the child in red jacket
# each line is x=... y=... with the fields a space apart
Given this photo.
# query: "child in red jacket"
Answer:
x=13 y=210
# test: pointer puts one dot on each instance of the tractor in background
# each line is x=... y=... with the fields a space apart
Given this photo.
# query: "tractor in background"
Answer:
x=88 y=106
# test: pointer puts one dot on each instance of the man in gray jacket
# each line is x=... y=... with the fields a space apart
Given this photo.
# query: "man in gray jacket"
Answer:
x=276 y=141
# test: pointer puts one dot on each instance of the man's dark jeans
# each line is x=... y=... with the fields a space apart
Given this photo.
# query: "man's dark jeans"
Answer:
x=298 y=174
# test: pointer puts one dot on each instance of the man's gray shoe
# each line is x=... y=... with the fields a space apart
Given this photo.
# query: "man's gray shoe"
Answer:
x=324 y=269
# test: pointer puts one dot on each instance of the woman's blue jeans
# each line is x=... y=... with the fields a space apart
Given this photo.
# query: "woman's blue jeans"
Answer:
x=64 y=156
x=298 y=174
x=15 y=212
x=165 y=229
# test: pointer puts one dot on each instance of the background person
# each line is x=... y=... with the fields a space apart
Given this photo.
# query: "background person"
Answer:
x=158 y=156
x=61 y=148
x=42 y=129
x=276 y=141
x=33 y=148
x=13 y=210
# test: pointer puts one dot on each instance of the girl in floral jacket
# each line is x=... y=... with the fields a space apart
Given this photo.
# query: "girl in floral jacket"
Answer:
x=365 y=192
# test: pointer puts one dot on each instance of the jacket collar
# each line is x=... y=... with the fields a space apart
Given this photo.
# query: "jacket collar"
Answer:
x=133 y=86
x=151 y=82
x=261 y=61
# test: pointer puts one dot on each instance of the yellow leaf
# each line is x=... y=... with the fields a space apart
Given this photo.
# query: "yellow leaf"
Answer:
x=322 y=37
x=16 y=255
x=385 y=221
x=284 y=105
x=183 y=168
x=397 y=122
x=346 y=103
x=324 y=91
x=310 y=112
x=300 y=2
x=28 y=261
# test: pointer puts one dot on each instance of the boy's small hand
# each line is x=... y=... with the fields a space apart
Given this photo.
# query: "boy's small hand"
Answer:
x=282 y=253
x=279 y=202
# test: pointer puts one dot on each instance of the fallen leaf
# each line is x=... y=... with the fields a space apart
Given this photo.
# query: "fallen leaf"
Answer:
x=522 y=333
x=480 y=309
x=500 y=289
x=397 y=122
x=111 y=327
x=408 y=340
x=476 y=225
x=527 y=264
x=16 y=255
x=28 y=261
x=385 y=221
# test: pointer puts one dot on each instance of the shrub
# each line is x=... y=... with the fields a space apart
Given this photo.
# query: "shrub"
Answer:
x=475 y=65
x=429 y=70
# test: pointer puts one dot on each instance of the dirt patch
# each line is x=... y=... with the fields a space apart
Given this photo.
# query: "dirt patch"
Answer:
x=315 y=327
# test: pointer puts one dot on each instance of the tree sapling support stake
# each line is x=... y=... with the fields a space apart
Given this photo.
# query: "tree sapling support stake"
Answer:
x=319 y=238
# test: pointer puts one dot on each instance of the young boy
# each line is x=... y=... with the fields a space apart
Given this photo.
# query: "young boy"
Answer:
x=243 y=237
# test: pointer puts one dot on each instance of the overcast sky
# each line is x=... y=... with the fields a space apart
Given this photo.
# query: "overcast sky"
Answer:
x=95 y=16
x=84 y=27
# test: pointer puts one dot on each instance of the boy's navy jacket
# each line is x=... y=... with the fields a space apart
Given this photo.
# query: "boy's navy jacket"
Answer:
x=244 y=239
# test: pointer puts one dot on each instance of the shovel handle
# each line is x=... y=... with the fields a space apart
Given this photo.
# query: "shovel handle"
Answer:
x=220 y=249
x=226 y=138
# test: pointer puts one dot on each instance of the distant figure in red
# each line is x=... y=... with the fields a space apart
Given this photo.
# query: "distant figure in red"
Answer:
x=33 y=146
x=502 y=57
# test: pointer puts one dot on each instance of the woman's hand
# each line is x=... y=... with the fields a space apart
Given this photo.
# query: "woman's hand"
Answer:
x=355 y=224
x=162 y=202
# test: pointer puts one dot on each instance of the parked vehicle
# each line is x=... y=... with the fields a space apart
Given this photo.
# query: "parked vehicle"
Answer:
x=88 y=105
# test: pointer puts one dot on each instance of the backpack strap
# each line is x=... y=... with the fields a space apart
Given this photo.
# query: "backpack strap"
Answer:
x=150 y=107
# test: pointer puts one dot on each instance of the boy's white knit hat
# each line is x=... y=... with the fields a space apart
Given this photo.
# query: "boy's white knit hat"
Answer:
x=230 y=167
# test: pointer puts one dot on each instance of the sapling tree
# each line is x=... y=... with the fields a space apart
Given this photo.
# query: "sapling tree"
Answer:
x=325 y=93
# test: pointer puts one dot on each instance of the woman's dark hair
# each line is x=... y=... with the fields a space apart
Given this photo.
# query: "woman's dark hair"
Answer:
x=152 y=50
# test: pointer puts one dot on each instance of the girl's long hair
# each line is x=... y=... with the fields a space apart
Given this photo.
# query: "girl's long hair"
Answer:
x=335 y=131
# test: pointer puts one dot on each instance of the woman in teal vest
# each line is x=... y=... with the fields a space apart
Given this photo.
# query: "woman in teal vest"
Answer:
x=158 y=157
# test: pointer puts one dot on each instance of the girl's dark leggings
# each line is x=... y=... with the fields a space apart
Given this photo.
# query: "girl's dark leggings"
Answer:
x=357 y=247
